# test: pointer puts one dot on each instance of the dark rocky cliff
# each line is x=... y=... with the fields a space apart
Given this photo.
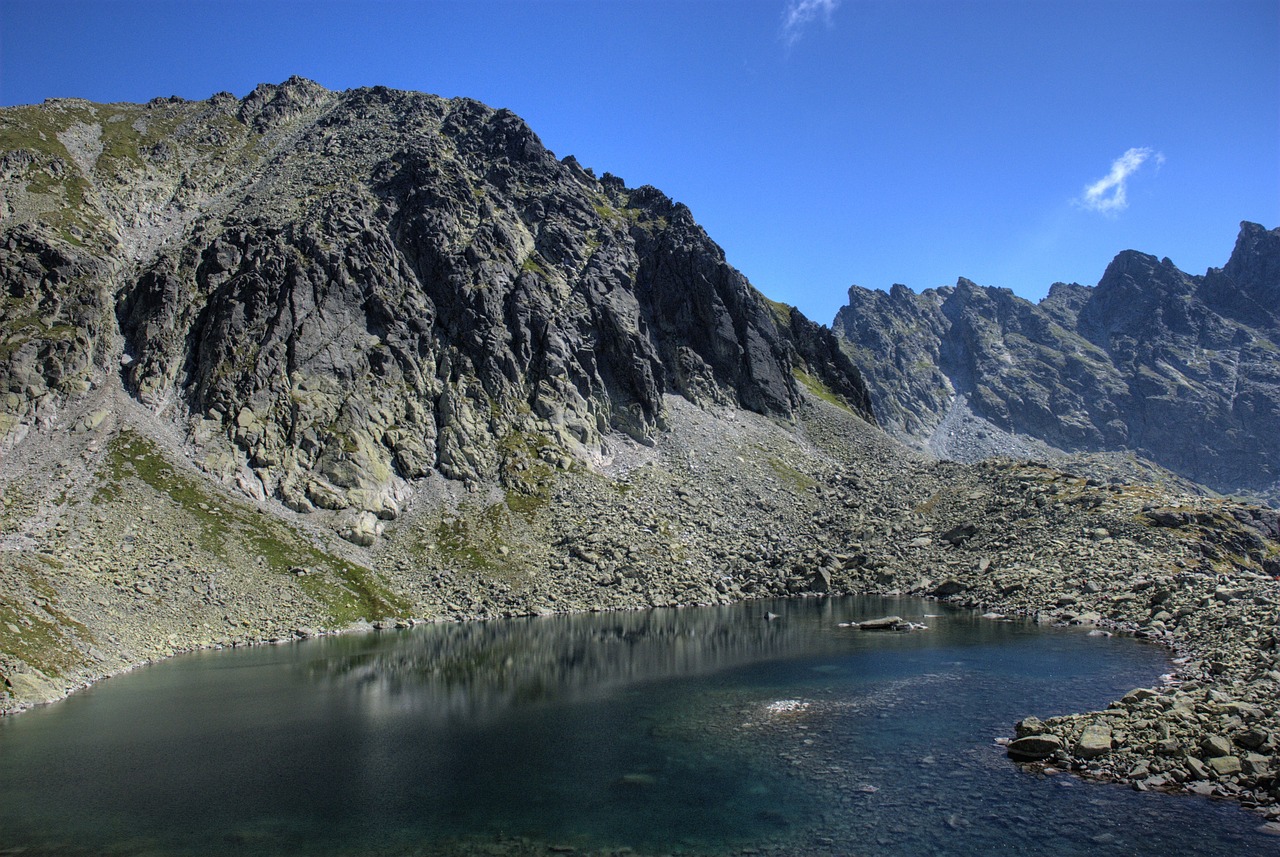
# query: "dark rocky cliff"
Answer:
x=336 y=293
x=1183 y=370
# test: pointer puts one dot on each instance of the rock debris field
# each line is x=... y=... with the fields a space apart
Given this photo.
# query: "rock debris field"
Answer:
x=126 y=553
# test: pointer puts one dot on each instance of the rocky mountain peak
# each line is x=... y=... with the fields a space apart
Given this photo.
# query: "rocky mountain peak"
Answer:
x=271 y=104
x=1136 y=291
x=335 y=294
x=1249 y=283
x=1255 y=260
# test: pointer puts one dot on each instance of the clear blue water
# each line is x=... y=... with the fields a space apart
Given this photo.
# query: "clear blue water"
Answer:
x=691 y=731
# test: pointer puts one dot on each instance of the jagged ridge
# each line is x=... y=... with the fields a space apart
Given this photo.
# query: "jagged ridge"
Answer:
x=1181 y=369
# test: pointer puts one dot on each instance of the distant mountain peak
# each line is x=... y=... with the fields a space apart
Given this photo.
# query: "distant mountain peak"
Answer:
x=1182 y=369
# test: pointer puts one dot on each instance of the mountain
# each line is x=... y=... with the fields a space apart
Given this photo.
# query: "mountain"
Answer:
x=336 y=293
x=1182 y=370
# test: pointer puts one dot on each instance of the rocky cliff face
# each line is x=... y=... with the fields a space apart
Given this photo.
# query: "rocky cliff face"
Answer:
x=1183 y=370
x=334 y=294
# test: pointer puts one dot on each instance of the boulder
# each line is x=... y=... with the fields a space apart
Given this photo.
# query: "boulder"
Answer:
x=948 y=587
x=1225 y=766
x=90 y=421
x=959 y=535
x=1034 y=748
x=33 y=686
x=1137 y=695
x=1029 y=726
x=1253 y=739
x=363 y=530
x=1214 y=746
x=1094 y=741
x=887 y=623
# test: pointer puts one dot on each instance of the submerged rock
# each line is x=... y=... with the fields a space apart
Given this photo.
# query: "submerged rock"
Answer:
x=887 y=623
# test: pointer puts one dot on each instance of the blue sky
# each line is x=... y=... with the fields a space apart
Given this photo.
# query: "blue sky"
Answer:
x=820 y=142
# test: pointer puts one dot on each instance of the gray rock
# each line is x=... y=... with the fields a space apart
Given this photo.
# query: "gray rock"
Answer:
x=1094 y=741
x=948 y=587
x=960 y=534
x=1225 y=766
x=33 y=686
x=1256 y=764
x=1253 y=739
x=886 y=623
x=1034 y=748
x=1214 y=746
x=363 y=530
x=1138 y=695
x=1029 y=726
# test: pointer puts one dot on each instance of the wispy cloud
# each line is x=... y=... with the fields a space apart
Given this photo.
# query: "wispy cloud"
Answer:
x=1107 y=195
x=799 y=14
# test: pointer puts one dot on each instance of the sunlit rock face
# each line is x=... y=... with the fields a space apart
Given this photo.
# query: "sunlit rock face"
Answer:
x=1181 y=369
x=338 y=293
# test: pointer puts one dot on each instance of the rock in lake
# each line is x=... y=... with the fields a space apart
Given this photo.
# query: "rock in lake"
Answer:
x=1029 y=726
x=1034 y=748
x=887 y=623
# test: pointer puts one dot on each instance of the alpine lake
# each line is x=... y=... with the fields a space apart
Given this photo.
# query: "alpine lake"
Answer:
x=696 y=731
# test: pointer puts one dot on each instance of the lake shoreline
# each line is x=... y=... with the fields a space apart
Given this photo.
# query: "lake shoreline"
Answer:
x=1182 y=699
x=807 y=734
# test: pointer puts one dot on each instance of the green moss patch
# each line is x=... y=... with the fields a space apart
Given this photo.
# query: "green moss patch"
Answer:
x=794 y=478
x=532 y=264
x=527 y=478
x=42 y=636
x=781 y=312
x=819 y=390
x=226 y=527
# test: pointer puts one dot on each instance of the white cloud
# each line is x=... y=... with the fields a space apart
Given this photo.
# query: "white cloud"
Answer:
x=799 y=14
x=1107 y=195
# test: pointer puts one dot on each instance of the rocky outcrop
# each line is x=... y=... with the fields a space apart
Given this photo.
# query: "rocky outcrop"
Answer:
x=1183 y=370
x=338 y=293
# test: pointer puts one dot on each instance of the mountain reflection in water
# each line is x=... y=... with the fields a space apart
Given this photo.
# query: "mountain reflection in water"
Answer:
x=478 y=669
